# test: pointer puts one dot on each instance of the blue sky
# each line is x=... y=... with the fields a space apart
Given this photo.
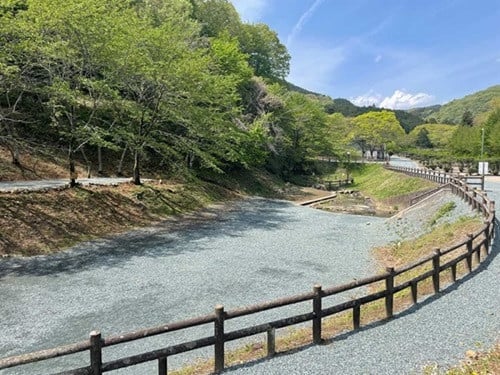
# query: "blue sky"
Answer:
x=391 y=53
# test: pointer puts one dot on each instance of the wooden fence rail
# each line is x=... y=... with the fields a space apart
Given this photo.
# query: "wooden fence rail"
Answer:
x=431 y=266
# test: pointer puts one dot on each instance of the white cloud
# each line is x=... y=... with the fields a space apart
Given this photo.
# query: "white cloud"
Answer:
x=404 y=100
x=398 y=100
x=302 y=20
x=250 y=10
x=378 y=58
x=371 y=98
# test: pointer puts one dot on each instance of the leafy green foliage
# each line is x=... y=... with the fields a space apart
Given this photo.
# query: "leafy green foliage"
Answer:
x=407 y=119
x=439 y=134
x=492 y=134
x=423 y=140
x=467 y=119
x=377 y=130
x=466 y=141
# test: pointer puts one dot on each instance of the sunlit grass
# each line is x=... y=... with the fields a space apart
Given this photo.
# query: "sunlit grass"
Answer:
x=377 y=182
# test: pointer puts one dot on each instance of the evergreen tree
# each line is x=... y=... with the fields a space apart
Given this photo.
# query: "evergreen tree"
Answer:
x=423 y=140
x=467 y=118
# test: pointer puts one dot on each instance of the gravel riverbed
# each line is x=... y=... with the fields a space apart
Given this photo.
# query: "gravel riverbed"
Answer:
x=253 y=251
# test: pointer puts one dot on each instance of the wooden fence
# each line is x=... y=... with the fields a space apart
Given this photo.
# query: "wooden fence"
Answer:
x=336 y=184
x=476 y=247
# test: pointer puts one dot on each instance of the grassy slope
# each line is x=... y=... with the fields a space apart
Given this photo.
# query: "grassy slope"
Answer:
x=375 y=181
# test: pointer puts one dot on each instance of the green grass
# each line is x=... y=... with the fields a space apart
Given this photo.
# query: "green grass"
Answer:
x=440 y=236
x=375 y=181
x=444 y=210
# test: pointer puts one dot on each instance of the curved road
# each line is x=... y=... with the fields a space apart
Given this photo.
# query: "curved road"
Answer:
x=437 y=331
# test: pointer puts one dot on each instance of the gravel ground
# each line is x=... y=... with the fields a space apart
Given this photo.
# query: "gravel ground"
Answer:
x=416 y=220
x=256 y=251
x=437 y=331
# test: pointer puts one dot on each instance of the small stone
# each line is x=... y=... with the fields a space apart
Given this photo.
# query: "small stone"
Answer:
x=471 y=354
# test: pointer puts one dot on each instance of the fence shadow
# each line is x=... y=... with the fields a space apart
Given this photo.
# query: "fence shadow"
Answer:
x=429 y=299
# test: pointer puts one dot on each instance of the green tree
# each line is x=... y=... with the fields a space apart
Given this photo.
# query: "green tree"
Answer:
x=377 y=131
x=492 y=134
x=466 y=141
x=423 y=140
x=467 y=118
x=216 y=17
x=267 y=55
x=299 y=132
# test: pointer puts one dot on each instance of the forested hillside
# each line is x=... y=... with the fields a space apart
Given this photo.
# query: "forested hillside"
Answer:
x=174 y=87
x=476 y=105
x=407 y=119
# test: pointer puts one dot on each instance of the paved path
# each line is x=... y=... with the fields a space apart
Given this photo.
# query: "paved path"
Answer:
x=13 y=186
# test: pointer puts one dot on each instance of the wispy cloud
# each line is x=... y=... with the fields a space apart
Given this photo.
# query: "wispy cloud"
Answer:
x=250 y=11
x=398 y=100
x=314 y=65
x=378 y=58
x=302 y=20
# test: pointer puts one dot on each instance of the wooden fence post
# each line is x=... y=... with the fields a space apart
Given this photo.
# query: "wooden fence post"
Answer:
x=271 y=342
x=96 y=352
x=414 y=291
x=487 y=239
x=469 y=252
x=389 y=298
x=162 y=366
x=219 y=339
x=356 y=316
x=454 y=272
x=436 y=260
x=317 y=314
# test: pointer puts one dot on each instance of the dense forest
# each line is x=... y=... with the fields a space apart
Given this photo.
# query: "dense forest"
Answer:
x=177 y=86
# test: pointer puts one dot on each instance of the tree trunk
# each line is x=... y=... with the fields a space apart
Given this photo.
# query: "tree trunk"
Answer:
x=14 y=152
x=120 y=164
x=87 y=162
x=72 y=171
x=137 y=175
x=13 y=146
x=99 y=160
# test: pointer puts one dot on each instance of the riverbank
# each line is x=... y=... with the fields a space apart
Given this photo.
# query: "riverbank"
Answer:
x=37 y=223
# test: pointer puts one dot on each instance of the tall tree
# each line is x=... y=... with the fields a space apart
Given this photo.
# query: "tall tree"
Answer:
x=467 y=118
x=423 y=140
x=300 y=131
x=377 y=131
x=216 y=17
x=267 y=55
